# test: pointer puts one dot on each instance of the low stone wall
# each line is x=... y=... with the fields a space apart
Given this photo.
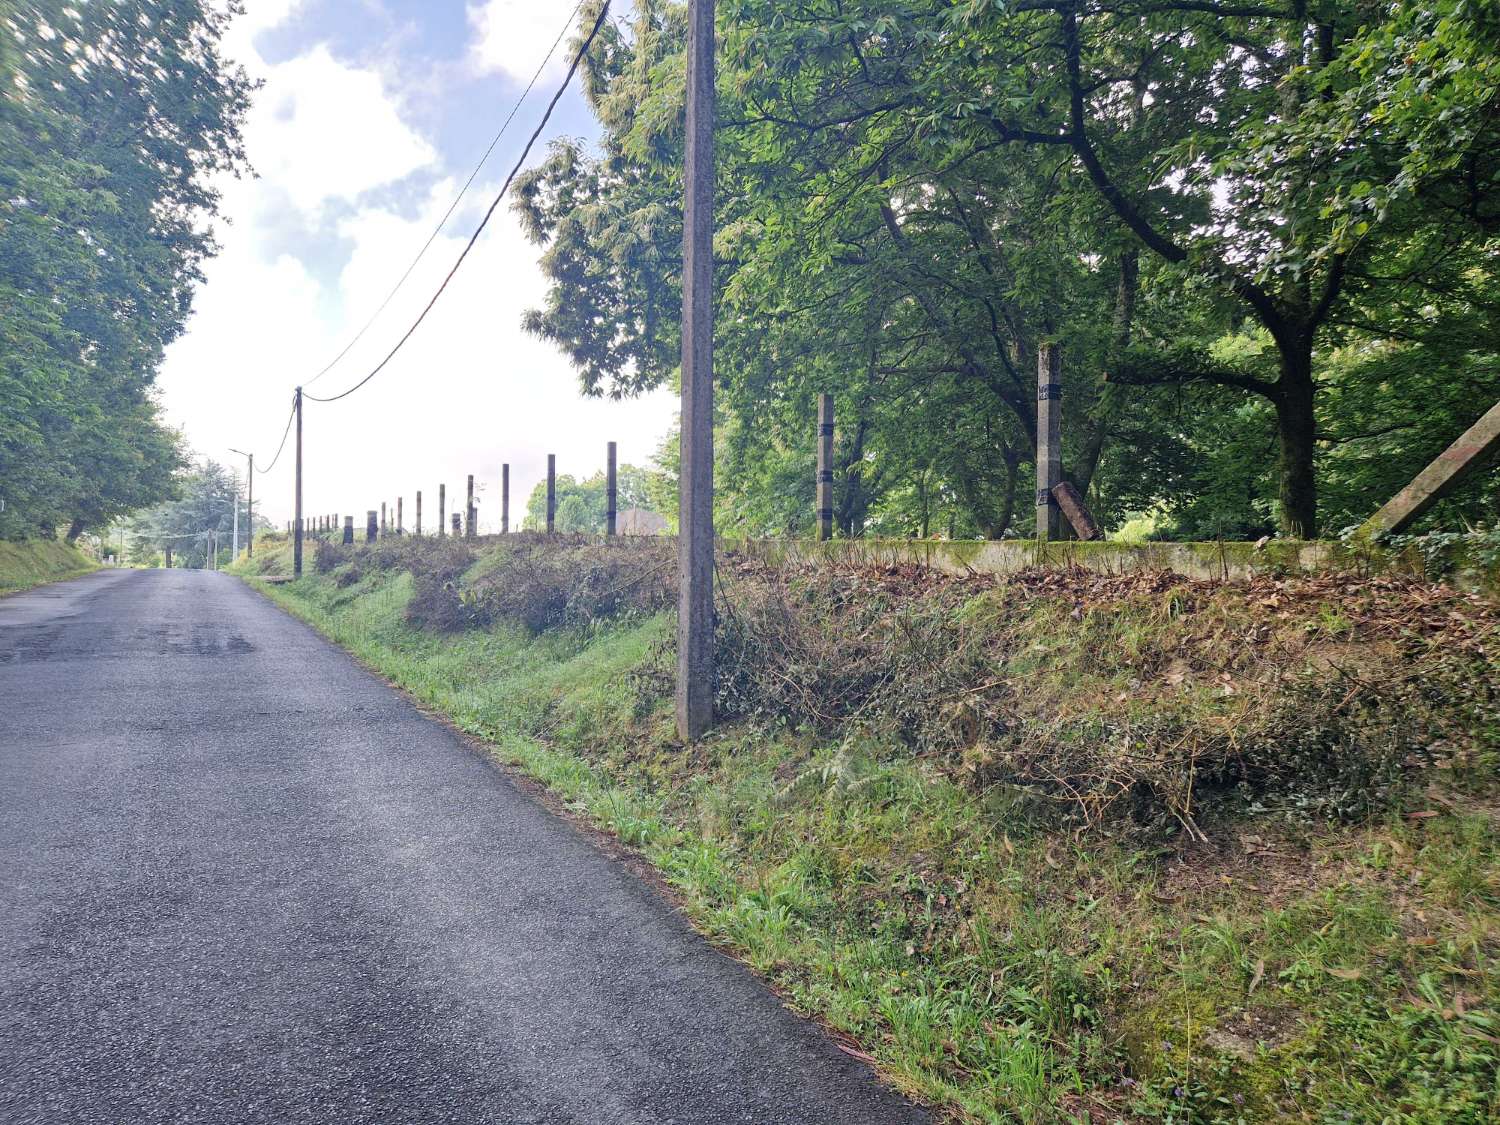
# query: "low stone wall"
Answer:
x=1006 y=556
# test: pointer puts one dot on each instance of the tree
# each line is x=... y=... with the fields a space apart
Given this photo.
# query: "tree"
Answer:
x=204 y=512
x=116 y=119
x=581 y=504
x=912 y=197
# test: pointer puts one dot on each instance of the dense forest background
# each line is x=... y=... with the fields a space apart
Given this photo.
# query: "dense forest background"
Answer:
x=1264 y=235
x=114 y=120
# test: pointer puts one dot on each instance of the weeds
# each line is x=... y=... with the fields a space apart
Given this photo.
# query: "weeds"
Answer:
x=943 y=918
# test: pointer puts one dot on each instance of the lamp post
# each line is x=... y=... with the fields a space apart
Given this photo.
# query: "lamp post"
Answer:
x=249 y=508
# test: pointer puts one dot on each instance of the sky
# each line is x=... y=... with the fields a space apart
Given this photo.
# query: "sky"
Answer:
x=372 y=114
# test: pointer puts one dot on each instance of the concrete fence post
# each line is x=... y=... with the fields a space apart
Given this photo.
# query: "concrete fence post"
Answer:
x=384 y=527
x=551 y=492
x=611 y=493
x=442 y=509
x=457 y=526
x=348 y=530
x=400 y=525
x=469 y=510
x=371 y=525
x=418 y=529
x=1048 y=441
x=505 y=499
x=825 y=467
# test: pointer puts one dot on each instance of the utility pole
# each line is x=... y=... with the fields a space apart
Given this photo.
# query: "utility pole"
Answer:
x=505 y=499
x=695 y=536
x=442 y=507
x=235 y=504
x=611 y=493
x=469 y=510
x=551 y=491
x=297 y=530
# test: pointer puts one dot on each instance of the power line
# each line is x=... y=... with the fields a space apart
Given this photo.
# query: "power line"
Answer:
x=448 y=214
x=568 y=78
x=292 y=414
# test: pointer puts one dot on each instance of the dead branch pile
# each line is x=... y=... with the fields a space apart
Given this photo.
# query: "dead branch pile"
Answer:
x=1149 y=693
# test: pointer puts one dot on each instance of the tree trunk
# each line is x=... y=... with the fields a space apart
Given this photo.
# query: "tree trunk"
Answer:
x=998 y=529
x=1296 y=427
x=75 y=529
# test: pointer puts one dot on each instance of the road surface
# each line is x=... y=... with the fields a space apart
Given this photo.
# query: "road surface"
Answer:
x=243 y=880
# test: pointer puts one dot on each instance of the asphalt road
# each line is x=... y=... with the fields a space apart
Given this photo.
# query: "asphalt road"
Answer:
x=243 y=880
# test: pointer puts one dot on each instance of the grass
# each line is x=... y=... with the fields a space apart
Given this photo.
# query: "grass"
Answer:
x=991 y=964
x=36 y=561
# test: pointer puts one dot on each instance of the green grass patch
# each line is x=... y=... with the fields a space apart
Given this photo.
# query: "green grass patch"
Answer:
x=35 y=561
x=1001 y=964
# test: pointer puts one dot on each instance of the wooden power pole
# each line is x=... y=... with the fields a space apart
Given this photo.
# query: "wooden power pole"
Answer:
x=695 y=537
x=297 y=530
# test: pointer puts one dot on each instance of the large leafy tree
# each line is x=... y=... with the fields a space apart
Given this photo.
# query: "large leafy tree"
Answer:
x=914 y=195
x=203 y=513
x=116 y=119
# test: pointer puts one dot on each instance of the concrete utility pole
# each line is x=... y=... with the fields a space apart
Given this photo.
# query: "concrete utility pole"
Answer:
x=551 y=491
x=1048 y=441
x=505 y=499
x=695 y=537
x=297 y=544
x=825 y=466
x=469 y=509
x=234 y=501
x=442 y=507
x=611 y=493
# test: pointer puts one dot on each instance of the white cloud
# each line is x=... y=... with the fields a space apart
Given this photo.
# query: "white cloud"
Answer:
x=259 y=15
x=470 y=390
x=323 y=130
x=512 y=36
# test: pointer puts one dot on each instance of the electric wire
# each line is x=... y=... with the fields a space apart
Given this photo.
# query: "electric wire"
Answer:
x=567 y=80
x=448 y=214
x=292 y=414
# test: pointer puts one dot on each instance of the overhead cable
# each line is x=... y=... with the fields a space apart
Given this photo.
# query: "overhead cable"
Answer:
x=448 y=214
x=568 y=78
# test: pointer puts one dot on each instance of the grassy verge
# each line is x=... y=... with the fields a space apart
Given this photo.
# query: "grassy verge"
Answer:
x=35 y=561
x=1242 y=958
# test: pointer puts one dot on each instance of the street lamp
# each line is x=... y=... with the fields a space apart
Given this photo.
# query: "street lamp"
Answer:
x=249 y=509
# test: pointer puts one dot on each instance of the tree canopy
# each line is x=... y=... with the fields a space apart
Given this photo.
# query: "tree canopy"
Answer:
x=1264 y=235
x=115 y=119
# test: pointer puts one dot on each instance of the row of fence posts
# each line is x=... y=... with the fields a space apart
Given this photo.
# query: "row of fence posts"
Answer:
x=390 y=520
x=1055 y=498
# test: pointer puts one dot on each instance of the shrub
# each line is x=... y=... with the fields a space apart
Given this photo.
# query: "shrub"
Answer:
x=558 y=582
x=436 y=567
x=1152 y=694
